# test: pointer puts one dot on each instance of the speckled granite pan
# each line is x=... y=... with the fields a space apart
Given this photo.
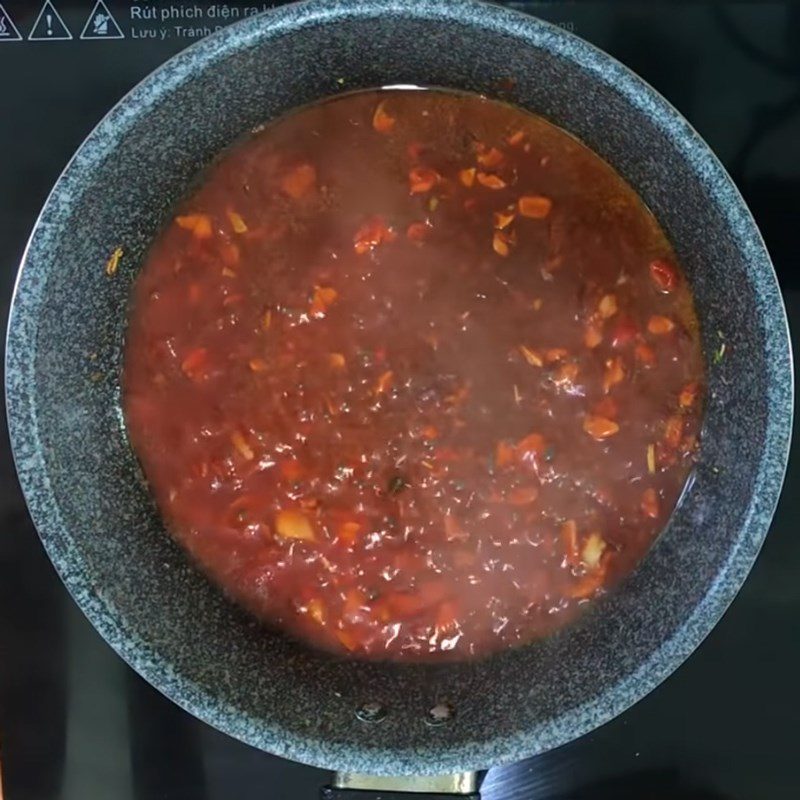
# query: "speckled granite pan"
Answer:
x=99 y=525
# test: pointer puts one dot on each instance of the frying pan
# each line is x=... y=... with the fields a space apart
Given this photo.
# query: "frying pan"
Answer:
x=94 y=513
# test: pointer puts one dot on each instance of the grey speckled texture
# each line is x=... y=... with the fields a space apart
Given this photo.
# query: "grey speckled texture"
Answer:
x=95 y=517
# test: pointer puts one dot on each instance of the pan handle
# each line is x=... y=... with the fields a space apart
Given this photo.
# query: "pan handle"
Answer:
x=357 y=786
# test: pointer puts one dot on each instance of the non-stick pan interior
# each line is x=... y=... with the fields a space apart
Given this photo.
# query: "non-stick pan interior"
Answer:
x=96 y=518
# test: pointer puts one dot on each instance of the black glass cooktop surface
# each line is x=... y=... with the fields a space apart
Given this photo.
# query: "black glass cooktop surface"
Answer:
x=76 y=723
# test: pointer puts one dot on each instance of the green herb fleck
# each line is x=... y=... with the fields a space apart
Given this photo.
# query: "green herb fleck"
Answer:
x=549 y=454
x=396 y=485
x=719 y=353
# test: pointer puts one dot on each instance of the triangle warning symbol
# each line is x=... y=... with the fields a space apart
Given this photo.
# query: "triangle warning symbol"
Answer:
x=49 y=27
x=8 y=30
x=101 y=24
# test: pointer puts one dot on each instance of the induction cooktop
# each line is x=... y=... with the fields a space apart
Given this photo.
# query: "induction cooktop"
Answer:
x=76 y=723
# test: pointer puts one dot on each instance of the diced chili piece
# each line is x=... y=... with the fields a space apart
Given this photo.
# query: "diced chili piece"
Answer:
x=530 y=448
x=237 y=223
x=535 y=206
x=490 y=181
x=516 y=138
x=600 y=428
x=501 y=243
x=337 y=360
x=659 y=325
x=257 y=365
x=645 y=354
x=467 y=176
x=491 y=158
x=502 y=219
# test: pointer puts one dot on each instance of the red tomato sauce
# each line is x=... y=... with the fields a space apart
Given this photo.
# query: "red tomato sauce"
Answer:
x=413 y=375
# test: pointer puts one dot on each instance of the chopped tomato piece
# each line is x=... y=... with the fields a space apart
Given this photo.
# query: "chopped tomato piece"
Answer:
x=422 y=179
x=624 y=332
x=504 y=454
x=417 y=231
x=688 y=394
x=523 y=495
x=299 y=181
x=645 y=354
x=195 y=362
x=663 y=275
x=324 y=297
x=501 y=243
x=371 y=234
x=347 y=532
x=502 y=219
